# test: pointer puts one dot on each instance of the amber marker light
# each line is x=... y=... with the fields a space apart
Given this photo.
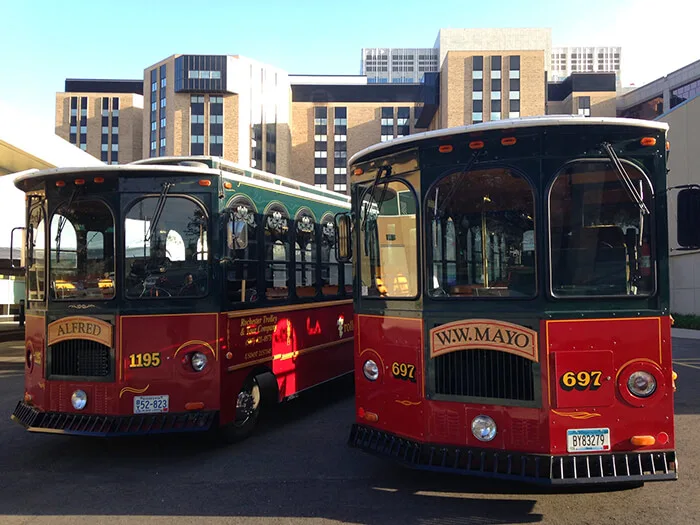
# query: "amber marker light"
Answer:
x=228 y=185
x=79 y=182
x=98 y=180
x=642 y=441
x=194 y=405
x=205 y=182
x=668 y=146
x=445 y=148
x=648 y=141
x=60 y=183
x=508 y=141
x=371 y=417
x=358 y=171
x=476 y=144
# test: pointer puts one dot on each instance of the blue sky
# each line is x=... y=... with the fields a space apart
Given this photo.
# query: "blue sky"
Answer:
x=45 y=42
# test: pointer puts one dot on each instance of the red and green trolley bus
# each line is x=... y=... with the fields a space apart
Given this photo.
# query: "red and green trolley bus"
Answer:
x=177 y=294
x=512 y=300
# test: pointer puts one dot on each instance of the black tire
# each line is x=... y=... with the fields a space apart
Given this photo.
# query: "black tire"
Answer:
x=248 y=404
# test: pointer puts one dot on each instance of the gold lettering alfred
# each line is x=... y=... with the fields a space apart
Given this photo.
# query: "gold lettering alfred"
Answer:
x=80 y=327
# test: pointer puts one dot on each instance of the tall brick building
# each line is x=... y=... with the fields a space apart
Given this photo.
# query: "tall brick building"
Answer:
x=304 y=127
x=102 y=117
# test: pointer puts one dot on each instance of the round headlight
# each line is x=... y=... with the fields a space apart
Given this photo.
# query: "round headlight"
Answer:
x=483 y=428
x=198 y=362
x=641 y=384
x=78 y=399
x=371 y=370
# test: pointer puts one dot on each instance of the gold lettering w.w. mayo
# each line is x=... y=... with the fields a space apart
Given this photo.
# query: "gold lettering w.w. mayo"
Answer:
x=80 y=327
x=483 y=333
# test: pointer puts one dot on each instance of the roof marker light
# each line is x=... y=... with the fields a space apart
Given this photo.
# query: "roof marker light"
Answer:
x=98 y=180
x=476 y=144
x=445 y=148
x=60 y=183
x=79 y=182
x=508 y=141
x=204 y=182
x=358 y=171
x=228 y=185
x=648 y=141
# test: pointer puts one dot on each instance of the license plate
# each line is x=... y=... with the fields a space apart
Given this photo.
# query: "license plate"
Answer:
x=588 y=440
x=151 y=404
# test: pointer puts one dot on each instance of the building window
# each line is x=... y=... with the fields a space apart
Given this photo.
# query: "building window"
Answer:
x=477 y=111
x=387 y=124
x=321 y=147
x=685 y=92
x=402 y=121
x=197 y=125
x=216 y=126
x=340 y=148
x=321 y=116
x=340 y=120
x=584 y=106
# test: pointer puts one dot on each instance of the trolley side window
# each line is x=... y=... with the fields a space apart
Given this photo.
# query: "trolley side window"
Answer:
x=242 y=249
x=600 y=238
x=388 y=247
x=36 y=241
x=168 y=257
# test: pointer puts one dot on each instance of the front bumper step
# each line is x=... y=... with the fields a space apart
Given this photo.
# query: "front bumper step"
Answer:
x=619 y=467
x=104 y=426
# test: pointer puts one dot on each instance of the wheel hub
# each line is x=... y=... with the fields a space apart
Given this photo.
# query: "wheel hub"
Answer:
x=247 y=403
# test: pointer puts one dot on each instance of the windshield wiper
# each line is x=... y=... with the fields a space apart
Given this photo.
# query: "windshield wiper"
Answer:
x=159 y=209
x=61 y=224
x=386 y=170
x=625 y=178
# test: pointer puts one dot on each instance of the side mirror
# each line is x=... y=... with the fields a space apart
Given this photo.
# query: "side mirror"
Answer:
x=688 y=218
x=23 y=250
x=343 y=239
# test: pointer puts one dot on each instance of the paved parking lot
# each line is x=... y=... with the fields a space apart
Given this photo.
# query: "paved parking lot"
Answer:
x=298 y=469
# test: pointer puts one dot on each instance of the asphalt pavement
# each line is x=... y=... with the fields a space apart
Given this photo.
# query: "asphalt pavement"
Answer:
x=297 y=469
